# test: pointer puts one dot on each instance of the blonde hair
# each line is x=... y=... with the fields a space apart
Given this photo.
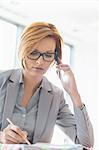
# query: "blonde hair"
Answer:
x=35 y=32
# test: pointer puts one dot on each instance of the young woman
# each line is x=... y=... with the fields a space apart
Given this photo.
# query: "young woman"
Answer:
x=33 y=103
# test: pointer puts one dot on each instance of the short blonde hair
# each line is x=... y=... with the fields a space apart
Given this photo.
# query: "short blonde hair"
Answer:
x=35 y=32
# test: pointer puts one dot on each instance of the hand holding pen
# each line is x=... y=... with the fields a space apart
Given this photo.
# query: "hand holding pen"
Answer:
x=22 y=135
x=12 y=134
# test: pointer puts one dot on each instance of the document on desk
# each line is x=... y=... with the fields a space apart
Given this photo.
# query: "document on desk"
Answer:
x=48 y=146
x=39 y=146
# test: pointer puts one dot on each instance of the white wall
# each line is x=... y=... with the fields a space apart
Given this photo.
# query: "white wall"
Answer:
x=85 y=68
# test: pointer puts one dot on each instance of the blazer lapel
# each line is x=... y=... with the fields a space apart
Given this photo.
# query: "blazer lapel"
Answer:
x=42 y=114
x=10 y=100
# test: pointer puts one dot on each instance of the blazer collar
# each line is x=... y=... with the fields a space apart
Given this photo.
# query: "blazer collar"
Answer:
x=44 y=105
x=12 y=90
x=46 y=84
x=11 y=97
x=17 y=77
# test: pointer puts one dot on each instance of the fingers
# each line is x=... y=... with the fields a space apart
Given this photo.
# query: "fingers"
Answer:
x=13 y=134
x=11 y=138
x=17 y=130
x=61 y=64
x=63 y=67
x=59 y=74
x=64 y=72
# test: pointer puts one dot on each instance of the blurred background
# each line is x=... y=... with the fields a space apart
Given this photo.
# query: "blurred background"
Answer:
x=77 y=21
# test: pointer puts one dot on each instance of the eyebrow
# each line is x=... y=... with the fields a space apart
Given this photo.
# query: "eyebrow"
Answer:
x=49 y=51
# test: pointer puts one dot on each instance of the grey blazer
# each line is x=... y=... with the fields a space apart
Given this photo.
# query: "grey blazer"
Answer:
x=52 y=109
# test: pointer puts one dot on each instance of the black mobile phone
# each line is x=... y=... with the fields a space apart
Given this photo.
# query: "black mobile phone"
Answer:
x=57 y=61
x=57 y=56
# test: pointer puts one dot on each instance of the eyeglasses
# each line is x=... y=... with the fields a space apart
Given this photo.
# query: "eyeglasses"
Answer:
x=47 y=56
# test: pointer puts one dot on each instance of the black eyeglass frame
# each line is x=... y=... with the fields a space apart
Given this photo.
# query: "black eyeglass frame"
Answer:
x=43 y=55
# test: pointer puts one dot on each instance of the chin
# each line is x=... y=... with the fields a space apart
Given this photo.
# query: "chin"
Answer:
x=36 y=73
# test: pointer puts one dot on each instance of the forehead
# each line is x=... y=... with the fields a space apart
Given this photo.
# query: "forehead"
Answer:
x=46 y=44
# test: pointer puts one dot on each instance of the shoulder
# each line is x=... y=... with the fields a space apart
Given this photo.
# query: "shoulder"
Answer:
x=55 y=91
x=52 y=87
x=5 y=75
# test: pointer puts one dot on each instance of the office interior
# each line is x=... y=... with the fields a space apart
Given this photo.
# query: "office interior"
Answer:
x=78 y=24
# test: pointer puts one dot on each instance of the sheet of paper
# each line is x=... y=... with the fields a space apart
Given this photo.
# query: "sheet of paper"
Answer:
x=39 y=146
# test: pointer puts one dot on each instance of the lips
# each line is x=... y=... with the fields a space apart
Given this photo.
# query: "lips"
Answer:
x=38 y=68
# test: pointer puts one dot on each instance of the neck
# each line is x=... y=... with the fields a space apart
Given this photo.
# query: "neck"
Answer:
x=31 y=81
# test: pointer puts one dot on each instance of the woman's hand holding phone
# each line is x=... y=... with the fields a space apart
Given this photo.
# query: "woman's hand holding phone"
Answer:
x=68 y=81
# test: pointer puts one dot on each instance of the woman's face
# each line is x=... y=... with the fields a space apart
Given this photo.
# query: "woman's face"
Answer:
x=38 y=67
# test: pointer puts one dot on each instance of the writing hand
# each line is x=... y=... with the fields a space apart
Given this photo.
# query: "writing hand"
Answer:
x=12 y=135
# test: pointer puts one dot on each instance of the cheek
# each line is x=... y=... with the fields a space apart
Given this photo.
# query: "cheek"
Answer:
x=26 y=64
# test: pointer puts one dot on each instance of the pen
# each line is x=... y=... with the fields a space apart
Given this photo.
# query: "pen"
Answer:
x=26 y=140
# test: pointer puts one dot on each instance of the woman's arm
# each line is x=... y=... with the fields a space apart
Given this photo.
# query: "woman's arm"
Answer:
x=77 y=126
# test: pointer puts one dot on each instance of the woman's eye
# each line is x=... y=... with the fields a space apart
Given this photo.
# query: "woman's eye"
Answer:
x=34 y=53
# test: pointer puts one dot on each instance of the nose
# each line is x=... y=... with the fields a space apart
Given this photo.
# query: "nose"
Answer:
x=39 y=60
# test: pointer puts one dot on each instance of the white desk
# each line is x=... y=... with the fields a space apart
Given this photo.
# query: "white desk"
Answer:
x=39 y=146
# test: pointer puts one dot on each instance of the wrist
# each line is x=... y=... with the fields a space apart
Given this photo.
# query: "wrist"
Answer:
x=83 y=105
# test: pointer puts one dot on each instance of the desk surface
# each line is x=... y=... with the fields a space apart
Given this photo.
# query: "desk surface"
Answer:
x=39 y=147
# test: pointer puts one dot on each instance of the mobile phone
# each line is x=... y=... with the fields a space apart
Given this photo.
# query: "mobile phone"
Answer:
x=57 y=61
x=57 y=56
